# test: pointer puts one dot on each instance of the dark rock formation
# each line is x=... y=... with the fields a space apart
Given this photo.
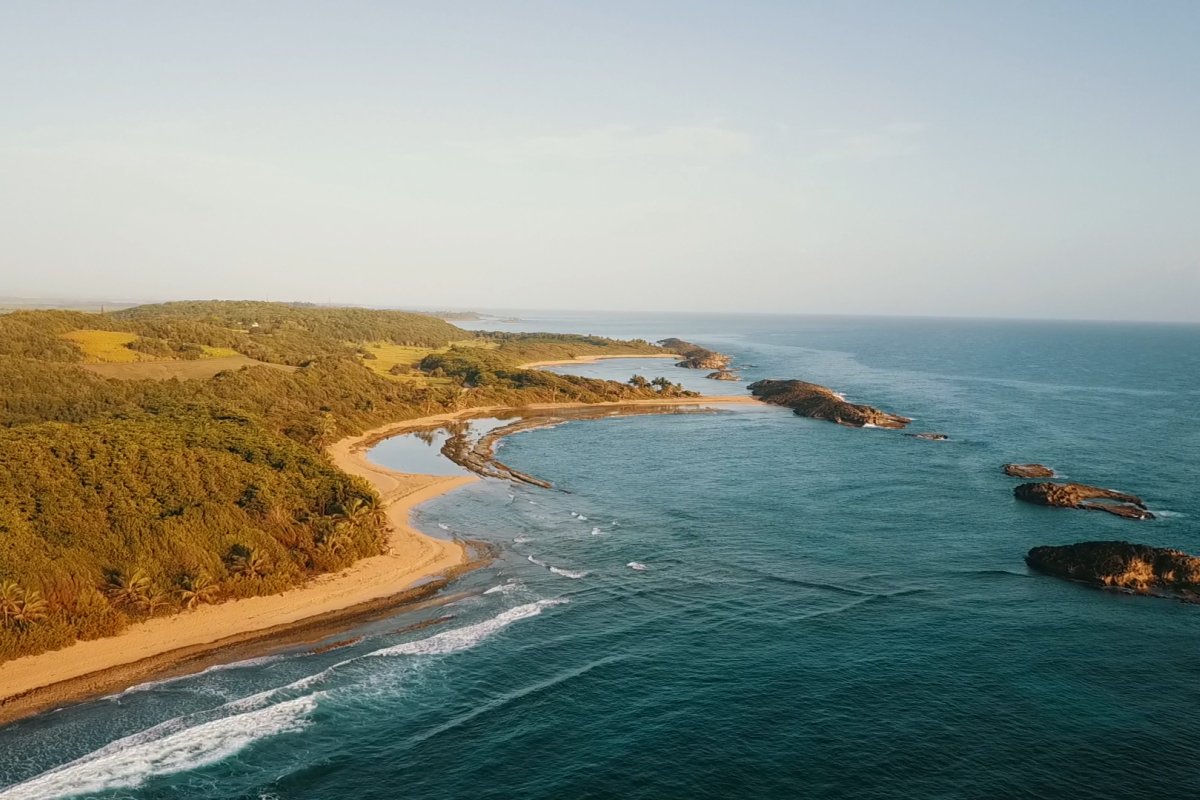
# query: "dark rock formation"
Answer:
x=1135 y=567
x=695 y=356
x=1028 y=471
x=1079 y=495
x=723 y=375
x=820 y=402
x=931 y=437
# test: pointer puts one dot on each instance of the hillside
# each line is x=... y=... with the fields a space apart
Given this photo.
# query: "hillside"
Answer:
x=122 y=499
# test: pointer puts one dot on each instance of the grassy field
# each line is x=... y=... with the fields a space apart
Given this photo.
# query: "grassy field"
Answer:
x=105 y=347
x=110 y=347
x=389 y=356
x=194 y=369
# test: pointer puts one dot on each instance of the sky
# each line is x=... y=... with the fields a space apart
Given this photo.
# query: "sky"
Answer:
x=1004 y=159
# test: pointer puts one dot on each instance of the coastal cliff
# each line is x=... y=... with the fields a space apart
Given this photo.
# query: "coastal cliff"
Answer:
x=1135 y=567
x=821 y=402
x=1082 y=496
x=695 y=356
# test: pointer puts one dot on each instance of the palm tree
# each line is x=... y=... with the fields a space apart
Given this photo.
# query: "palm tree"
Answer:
x=251 y=563
x=11 y=596
x=33 y=608
x=134 y=591
x=197 y=590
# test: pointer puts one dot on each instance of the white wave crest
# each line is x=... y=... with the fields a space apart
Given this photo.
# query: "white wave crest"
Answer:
x=533 y=560
x=504 y=588
x=129 y=765
x=596 y=531
x=522 y=539
x=637 y=565
x=468 y=636
x=581 y=518
x=569 y=573
x=443 y=526
x=244 y=664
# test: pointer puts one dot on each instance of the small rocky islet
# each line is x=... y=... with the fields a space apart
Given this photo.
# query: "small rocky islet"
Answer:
x=697 y=357
x=820 y=402
x=1137 y=568
x=1028 y=471
x=1082 y=496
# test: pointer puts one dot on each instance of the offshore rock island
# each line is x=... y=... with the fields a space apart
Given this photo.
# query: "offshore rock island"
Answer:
x=1138 y=568
x=697 y=357
x=821 y=402
x=1028 y=471
x=1082 y=496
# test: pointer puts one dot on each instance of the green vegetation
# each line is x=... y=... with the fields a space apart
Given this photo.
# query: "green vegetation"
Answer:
x=123 y=499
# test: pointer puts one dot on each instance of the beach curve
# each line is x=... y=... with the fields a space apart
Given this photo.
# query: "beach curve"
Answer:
x=415 y=567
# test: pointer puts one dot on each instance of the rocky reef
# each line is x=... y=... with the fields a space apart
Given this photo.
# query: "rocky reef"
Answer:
x=1088 y=498
x=723 y=375
x=1134 y=567
x=695 y=356
x=820 y=402
x=929 y=437
x=1028 y=471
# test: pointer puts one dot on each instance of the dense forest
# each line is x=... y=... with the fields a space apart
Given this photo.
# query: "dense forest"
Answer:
x=126 y=498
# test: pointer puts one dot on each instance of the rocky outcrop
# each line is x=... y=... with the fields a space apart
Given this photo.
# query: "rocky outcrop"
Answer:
x=929 y=437
x=820 y=402
x=1028 y=471
x=1134 y=567
x=695 y=356
x=723 y=375
x=1088 y=498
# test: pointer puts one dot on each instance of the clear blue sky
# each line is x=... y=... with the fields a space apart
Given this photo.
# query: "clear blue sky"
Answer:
x=1032 y=159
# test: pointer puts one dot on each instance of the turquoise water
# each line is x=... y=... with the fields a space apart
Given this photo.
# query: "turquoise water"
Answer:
x=823 y=612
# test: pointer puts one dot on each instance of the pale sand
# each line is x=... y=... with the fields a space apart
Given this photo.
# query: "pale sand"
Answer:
x=412 y=557
x=86 y=669
x=593 y=359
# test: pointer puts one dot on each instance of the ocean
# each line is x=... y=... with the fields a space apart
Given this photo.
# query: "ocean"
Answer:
x=742 y=603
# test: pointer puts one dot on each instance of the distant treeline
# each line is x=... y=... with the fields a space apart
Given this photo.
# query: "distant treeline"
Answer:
x=125 y=499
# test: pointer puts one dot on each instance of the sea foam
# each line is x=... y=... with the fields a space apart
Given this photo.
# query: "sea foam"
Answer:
x=127 y=763
x=468 y=636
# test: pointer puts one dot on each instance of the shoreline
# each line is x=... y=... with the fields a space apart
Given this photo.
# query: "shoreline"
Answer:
x=416 y=567
x=592 y=359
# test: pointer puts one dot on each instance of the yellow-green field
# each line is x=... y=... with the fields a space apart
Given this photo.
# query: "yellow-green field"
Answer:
x=200 y=368
x=109 y=347
x=388 y=356
x=105 y=347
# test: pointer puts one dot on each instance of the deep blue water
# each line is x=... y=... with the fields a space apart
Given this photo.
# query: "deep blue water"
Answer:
x=824 y=612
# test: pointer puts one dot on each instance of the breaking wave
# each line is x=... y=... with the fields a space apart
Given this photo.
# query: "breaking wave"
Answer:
x=163 y=750
x=468 y=636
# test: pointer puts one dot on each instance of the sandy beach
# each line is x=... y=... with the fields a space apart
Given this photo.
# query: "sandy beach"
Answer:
x=415 y=567
x=594 y=359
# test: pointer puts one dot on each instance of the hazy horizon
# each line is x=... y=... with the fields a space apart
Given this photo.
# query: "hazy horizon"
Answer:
x=1022 y=161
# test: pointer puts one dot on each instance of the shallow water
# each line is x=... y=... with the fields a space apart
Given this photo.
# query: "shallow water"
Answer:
x=817 y=611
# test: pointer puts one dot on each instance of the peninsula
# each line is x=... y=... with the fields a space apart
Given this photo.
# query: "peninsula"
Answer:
x=262 y=431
